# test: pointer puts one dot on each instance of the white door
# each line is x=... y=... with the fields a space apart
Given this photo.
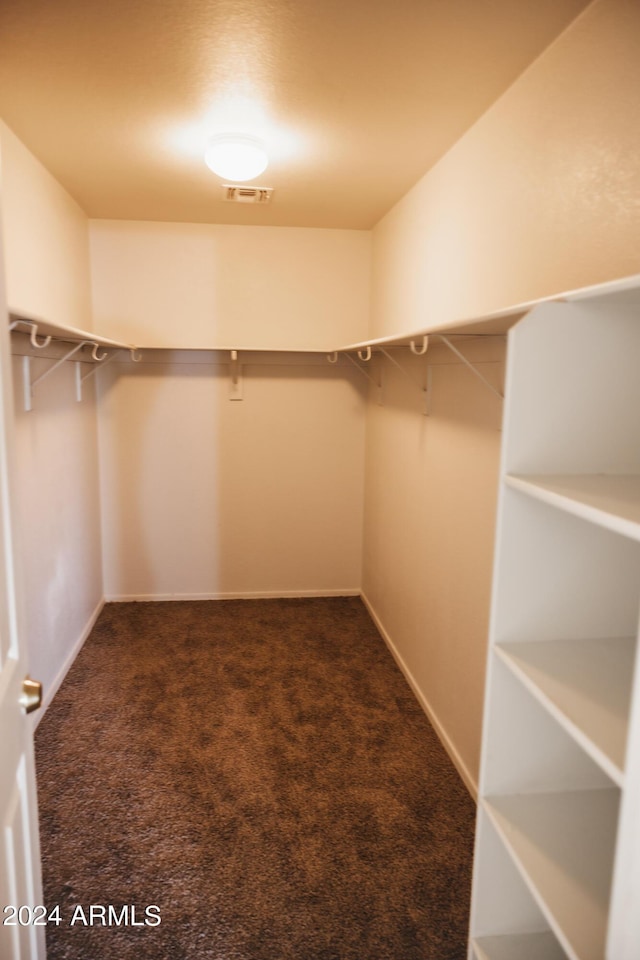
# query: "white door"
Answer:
x=21 y=932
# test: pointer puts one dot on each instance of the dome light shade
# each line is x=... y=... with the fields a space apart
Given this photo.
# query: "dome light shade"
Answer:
x=236 y=157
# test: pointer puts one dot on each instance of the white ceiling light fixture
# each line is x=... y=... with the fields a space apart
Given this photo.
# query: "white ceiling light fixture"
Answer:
x=236 y=157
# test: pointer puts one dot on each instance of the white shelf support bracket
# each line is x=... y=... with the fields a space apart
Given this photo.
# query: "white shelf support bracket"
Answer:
x=376 y=381
x=424 y=388
x=78 y=378
x=26 y=382
x=29 y=384
x=333 y=357
x=235 y=385
x=58 y=363
x=81 y=377
x=471 y=367
x=365 y=355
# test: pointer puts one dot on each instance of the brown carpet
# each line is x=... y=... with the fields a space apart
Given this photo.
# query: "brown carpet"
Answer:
x=259 y=770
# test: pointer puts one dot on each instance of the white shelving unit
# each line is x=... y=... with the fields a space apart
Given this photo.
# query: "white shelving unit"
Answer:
x=558 y=843
x=535 y=946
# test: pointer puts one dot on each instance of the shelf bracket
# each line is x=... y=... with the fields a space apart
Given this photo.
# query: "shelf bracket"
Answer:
x=377 y=382
x=28 y=384
x=471 y=367
x=81 y=377
x=424 y=388
x=235 y=385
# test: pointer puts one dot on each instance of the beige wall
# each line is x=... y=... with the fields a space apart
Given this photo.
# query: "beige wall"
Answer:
x=430 y=493
x=205 y=497
x=201 y=286
x=542 y=195
x=46 y=262
x=46 y=249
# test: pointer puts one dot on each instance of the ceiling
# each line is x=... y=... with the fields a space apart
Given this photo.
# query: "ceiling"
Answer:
x=355 y=99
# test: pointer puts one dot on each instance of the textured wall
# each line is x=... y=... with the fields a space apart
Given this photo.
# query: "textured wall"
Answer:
x=542 y=195
x=46 y=241
x=47 y=267
x=195 y=285
x=207 y=497
x=203 y=496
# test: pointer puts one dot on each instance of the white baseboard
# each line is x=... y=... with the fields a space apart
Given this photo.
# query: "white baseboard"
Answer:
x=64 y=669
x=237 y=595
x=456 y=759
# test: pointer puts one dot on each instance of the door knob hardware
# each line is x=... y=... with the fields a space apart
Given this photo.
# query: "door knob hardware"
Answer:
x=31 y=697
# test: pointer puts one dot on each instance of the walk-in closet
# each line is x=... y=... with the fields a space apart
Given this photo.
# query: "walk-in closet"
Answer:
x=319 y=488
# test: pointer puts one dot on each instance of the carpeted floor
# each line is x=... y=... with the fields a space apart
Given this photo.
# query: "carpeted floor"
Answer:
x=261 y=772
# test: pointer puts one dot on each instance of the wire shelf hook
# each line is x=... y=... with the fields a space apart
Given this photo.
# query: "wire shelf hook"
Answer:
x=419 y=351
x=333 y=357
x=96 y=356
x=136 y=356
x=367 y=354
x=34 y=338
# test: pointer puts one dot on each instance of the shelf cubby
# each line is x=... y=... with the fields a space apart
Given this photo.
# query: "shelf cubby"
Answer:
x=586 y=686
x=560 y=576
x=519 y=946
x=511 y=923
x=530 y=750
x=564 y=843
x=574 y=390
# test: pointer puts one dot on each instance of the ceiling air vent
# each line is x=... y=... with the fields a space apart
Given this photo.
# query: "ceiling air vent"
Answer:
x=239 y=194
